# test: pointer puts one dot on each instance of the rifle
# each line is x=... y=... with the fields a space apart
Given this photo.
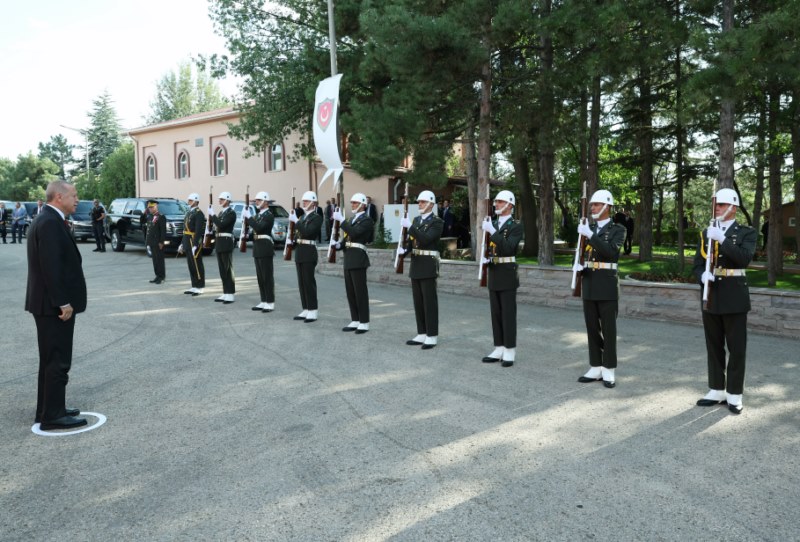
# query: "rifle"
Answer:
x=483 y=268
x=398 y=259
x=580 y=248
x=287 y=247
x=710 y=258
x=243 y=238
x=209 y=236
x=335 y=236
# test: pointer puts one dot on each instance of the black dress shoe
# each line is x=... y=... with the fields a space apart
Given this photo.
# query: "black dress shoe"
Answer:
x=361 y=331
x=348 y=328
x=188 y=292
x=219 y=300
x=507 y=363
x=266 y=310
x=309 y=320
x=256 y=308
x=299 y=318
x=710 y=402
x=735 y=409
x=194 y=294
x=489 y=359
x=73 y=411
x=412 y=342
x=227 y=302
x=609 y=383
x=158 y=281
x=65 y=422
x=96 y=250
x=427 y=346
x=102 y=250
x=154 y=280
x=586 y=379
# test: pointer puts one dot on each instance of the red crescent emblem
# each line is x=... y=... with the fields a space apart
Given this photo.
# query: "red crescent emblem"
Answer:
x=325 y=113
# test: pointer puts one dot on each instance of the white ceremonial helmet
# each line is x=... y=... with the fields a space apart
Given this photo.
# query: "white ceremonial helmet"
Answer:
x=358 y=197
x=262 y=196
x=728 y=195
x=602 y=196
x=506 y=195
x=309 y=196
x=225 y=195
x=194 y=196
x=427 y=196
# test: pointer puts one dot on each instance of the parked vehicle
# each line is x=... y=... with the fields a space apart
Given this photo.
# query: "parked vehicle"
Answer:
x=126 y=224
x=279 y=227
x=81 y=220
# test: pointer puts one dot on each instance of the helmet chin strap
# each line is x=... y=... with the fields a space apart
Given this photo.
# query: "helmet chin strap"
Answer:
x=428 y=208
x=598 y=215
x=503 y=210
x=310 y=206
x=727 y=212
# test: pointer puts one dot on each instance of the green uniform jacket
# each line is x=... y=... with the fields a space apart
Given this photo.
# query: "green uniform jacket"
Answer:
x=503 y=243
x=424 y=235
x=357 y=230
x=156 y=229
x=194 y=228
x=728 y=295
x=308 y=227
x=602 y=284
x=224 y=222
x=261 y=224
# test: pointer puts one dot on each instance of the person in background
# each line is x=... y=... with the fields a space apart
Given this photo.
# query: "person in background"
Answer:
x=98 y=226
x=18 y=217
x=154 y=239
x=263 y=250
x=3 y=222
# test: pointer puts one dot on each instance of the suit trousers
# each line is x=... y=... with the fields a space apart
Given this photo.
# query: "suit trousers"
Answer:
x=158 y=262
x=266 y=279
x=355 y=284
x=99 y=235
x=503 y=304
x=307 y=283
x=426 y=306
x=225 y=262
x=722 y=330
x=55 y=360
x=601 y=327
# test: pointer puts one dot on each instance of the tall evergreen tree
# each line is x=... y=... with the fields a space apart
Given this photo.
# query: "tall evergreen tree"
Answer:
x=59 y=151
x=183 y=93
x=104 y=133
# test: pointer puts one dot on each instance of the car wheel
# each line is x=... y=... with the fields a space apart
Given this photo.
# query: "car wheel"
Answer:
x=116 y=244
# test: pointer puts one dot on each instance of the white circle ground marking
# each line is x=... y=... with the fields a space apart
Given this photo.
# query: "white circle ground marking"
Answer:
x=101 y=419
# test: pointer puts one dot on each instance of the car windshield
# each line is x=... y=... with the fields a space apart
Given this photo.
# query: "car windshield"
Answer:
x=278 y=211
x=84 y=207
x=172 y=207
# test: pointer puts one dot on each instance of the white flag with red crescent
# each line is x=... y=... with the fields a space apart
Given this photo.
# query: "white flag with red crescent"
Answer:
x=326 y=105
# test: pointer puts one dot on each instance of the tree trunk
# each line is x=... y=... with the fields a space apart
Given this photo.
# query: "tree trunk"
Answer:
x=761 y=145
x=484 y=148
x=795 y=121
x=726 y=116
x=525 y=198
x=471 y=168
x=546 y=147
x=645 y=144
x=679 y=139
x=774 y=158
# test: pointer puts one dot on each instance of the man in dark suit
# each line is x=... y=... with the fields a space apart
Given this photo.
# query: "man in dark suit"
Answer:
x=56 y=293
x=155 y=238
x=503 y=281
x=3 y=222
x=600 y=288
x=98 y=226
x=329 y=208
x=423 y=244
x=725 y=316
x=358 y=231
x=449 y=218
x=306 y=232
x=224 y=223
x=263 y=250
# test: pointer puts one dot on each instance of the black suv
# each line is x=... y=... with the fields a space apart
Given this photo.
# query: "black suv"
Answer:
x=125 y=221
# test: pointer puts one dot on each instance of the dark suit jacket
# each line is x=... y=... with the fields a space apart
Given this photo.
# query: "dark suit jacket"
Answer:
x=603 y=284
x=156 y=231
x=729 y=295
x=372 y=212
x=55 y=275
x=503 y=243
x=262 y=225
x=308 y=227
x=194 y=227
x=357 y=230
x=424 y=235
x=224 y=221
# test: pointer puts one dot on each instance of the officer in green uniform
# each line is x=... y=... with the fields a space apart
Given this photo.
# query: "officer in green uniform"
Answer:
x=155 y=237
x=725 y=316
x=307 y=230
x=263 y=250
x=423 y=244
x=358 y=231
x=194 y=224
x=503 y=281
x=601 y=288
x=223 y=224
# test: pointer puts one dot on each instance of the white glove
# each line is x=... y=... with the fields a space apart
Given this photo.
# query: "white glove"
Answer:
x=585 y=230
x=487 y=225
x=708 y=276
x=400 y=251
x=246 y=213
x=715 y=233
x=293 y=217
x=486 y=261
x=336 y=244
x=210 y=210
x=577 y=268
x=194 y=250
x=338 y=216
x=405 y=222
x=289 y=242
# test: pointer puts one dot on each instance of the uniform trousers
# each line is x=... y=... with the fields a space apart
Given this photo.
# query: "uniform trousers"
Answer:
x=426 y=306
x=99 y=235
x=722 y=330
x=197 y=271
x=503 y=304
x=225 y=262
x=55 y=359
x=158 y=262
x=307 y=283
x=355 y=284
x=266 y=279
x=601 y=327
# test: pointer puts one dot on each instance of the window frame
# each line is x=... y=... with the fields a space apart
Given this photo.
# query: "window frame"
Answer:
x=219 y=150
x=150 y=160
x=183 y=153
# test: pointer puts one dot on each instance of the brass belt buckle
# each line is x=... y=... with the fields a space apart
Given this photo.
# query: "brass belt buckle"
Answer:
x=595 y=265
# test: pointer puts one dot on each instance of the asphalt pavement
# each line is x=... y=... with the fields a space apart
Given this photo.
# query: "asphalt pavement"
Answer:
x=227 y=424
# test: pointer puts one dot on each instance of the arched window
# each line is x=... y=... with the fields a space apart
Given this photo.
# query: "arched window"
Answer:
x=183 y=165
x=276 y=157
x=151 y=173
x=220 y=161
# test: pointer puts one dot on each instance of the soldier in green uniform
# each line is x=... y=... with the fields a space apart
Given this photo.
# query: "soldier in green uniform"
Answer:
x=223 y=224
x=358 y=231
x=725 y=316
x=263 y=250
x=194 y=224
x=423 y=244
x=155 y=237
x=601 y=288
x=503 y=281
x=307 y=230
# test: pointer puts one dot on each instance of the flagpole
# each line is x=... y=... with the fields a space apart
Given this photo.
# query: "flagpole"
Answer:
x=334 y=71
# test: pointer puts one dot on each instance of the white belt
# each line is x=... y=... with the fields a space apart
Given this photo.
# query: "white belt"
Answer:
x=355 y=245
x=224 y=235
x=504 y=259
x=601 y=265
x=264 y=237
x=305 y=242
x=722 y=272
x=418 y=252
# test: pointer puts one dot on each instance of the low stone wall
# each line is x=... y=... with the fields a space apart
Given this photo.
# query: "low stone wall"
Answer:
x=774 y=312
